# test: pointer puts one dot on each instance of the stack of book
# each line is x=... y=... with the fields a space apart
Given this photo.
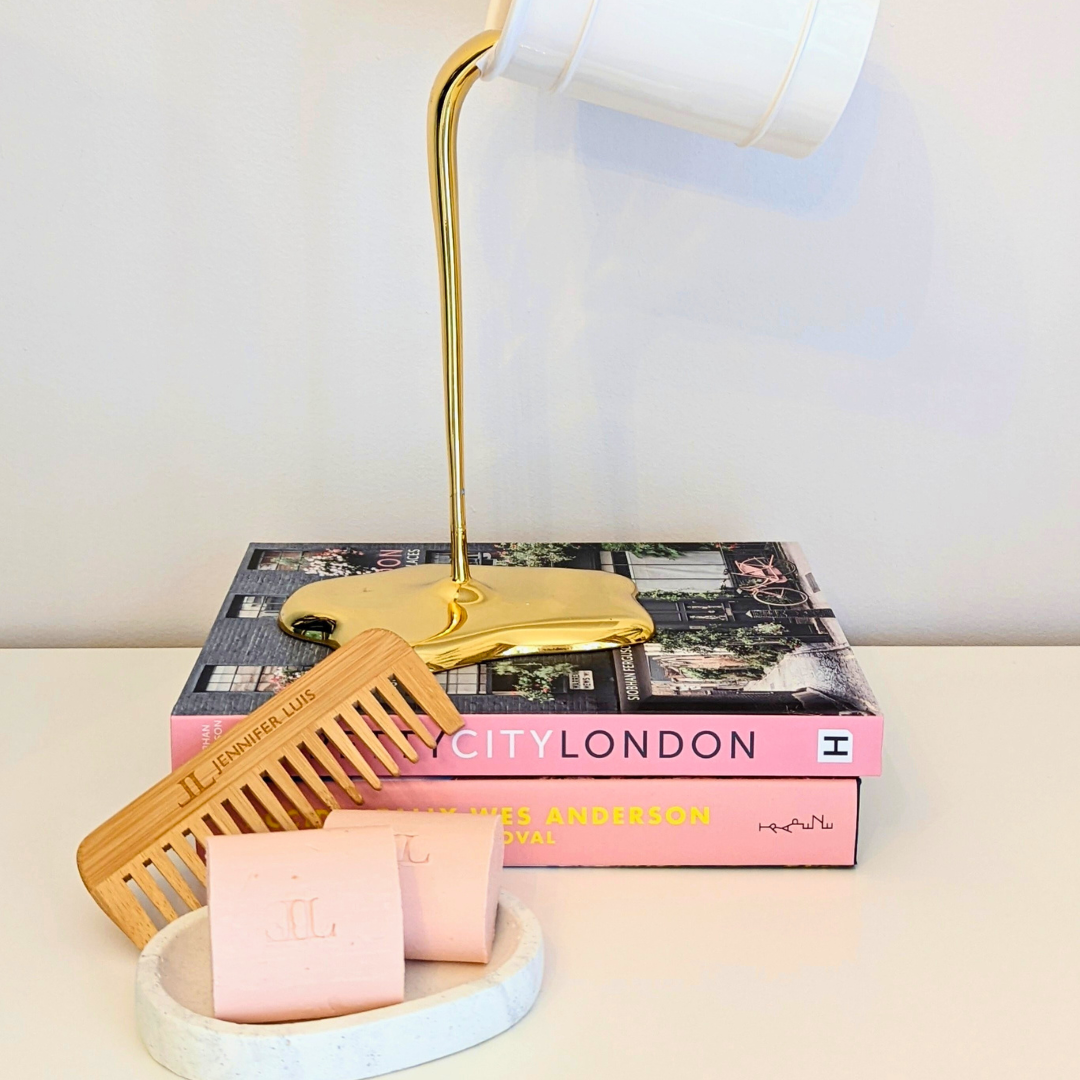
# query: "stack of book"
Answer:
x=736 y=736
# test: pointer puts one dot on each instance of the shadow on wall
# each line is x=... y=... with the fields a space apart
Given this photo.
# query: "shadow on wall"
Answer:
x=671 y=256
x=839 y=259
x=666 y=274
x=714 y=268
x=822 y=185
x=835 y=251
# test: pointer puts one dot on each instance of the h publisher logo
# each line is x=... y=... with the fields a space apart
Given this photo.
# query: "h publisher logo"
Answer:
x=835 y=744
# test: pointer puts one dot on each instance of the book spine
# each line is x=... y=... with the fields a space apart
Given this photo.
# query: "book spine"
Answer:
x=650 y=822
x=620 y=745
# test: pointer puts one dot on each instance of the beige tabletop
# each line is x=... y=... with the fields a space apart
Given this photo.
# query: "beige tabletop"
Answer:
x=950 y=951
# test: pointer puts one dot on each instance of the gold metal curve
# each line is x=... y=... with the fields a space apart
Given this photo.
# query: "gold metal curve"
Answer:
x=444 y=108
x=501 y=610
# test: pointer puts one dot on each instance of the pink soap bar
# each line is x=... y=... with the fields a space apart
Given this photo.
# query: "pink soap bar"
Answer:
x=304 y=924
x=451 y=866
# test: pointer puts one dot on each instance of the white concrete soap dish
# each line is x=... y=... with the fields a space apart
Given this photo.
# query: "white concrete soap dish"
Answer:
x=447 y=1007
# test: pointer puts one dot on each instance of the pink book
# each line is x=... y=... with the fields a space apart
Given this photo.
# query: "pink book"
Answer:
x=649 y=822
x=636 y=744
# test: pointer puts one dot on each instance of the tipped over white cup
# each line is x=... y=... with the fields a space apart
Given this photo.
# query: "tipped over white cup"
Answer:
x=775 y=74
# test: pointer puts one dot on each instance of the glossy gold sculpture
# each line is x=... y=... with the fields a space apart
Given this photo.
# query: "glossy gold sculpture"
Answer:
x=502 y=610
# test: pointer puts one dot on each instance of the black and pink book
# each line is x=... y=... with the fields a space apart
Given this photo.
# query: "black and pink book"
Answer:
x=748 y=675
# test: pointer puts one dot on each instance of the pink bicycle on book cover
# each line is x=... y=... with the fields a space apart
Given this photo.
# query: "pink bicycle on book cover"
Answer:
x=767 y=582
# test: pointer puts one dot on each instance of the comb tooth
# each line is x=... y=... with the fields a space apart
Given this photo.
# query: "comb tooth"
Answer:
x=263 y=793
x=393 y=697
x=414 y=676
x=247 y=810
x=370 y=705
x=165 y=868
x=298 y=763
x=221 y=817
x=186 y=852
x=327 y=760
x=137 y=873
x=293 y=793
x=359 y=723
x=296 y=760
x=333 y=730
x=198 y=827
x=121 y=906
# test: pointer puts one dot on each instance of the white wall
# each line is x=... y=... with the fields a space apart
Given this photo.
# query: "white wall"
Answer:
x=218 y=314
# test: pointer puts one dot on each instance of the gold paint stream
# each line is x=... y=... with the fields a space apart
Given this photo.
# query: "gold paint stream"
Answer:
x=502 y=610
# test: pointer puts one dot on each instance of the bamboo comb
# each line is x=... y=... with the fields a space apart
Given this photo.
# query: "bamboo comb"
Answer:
x=238 y=784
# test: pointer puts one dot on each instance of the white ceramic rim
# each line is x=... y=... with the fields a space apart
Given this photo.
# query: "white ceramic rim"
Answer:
x=154 y=994
x=494 y=62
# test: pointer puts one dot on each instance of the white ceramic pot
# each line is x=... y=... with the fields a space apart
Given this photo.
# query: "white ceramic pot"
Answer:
x=769 y=73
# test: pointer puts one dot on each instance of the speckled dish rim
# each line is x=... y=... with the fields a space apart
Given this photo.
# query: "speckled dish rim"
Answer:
x=349 y=1047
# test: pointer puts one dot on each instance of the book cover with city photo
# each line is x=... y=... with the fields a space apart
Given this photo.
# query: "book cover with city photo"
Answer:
x=740 y=628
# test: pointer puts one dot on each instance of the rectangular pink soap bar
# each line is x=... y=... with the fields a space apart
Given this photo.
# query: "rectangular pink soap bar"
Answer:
x=451 y=867
x=304 y=924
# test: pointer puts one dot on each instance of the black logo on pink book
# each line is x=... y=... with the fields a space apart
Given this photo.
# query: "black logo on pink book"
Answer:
x=817 y=821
